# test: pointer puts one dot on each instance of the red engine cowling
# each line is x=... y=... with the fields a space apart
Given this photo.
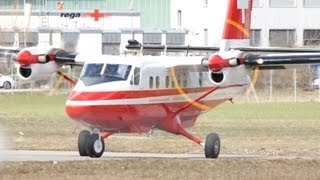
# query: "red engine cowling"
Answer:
x=219 y=63
x=37 y=71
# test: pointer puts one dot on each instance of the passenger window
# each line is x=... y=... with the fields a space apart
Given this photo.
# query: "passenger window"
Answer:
x=167 y=81
x=151 y=82
x=172 y=83
x=185 y=82
x=200 y=79
x=179 y=80
x=157 y=82
x=136 y=76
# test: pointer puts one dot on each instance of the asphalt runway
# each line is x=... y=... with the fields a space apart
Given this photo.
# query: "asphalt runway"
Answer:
x=24 y=155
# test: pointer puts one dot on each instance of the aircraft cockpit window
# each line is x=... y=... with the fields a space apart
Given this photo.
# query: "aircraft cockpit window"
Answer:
x=93 y=69
x=103 y=73
x=117 y=70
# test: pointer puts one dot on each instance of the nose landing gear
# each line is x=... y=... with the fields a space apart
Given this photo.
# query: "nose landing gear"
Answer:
x=90 y=144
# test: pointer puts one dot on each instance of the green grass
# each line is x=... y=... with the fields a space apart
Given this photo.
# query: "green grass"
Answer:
x=32 y=105
x=268 y=128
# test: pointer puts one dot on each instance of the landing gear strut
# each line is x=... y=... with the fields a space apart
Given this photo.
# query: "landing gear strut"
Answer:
x=90 y=144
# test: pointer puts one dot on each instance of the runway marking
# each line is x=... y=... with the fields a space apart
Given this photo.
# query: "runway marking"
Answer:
x=25 y=155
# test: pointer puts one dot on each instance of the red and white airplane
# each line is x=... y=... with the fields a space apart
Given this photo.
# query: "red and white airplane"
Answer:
x=136 y=94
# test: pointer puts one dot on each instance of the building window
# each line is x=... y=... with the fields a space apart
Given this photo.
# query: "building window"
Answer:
x=255 y=37
x=282 y=38
x=179 y=18
x=257 y=3
x=283 y=3
x=311 y=37
x=205 y=37
x=311 y=3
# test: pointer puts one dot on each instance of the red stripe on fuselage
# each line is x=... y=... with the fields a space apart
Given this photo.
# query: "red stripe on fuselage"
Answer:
x=114 y=95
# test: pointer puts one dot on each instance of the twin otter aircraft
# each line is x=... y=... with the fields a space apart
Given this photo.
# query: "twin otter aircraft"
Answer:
x=122 y=94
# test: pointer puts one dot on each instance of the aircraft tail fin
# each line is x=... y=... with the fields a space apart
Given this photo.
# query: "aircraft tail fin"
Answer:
x=237 y=24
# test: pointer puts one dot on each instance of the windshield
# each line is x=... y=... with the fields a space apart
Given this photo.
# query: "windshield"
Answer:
x=101 y=73
x=92 y=70
x=117 y=70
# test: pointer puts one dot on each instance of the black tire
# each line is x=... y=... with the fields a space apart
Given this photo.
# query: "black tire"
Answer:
x=7 y=85
x=212 y=146
x=94 y=148
x=82 y=142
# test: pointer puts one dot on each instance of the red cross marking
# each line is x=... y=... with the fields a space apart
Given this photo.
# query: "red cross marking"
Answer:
x=96 y=15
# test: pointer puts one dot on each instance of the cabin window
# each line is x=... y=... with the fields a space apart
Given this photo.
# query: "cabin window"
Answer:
x=200 y=79
x=157 y=82
x=179 y=80
x=136 y=76
x=185 y=82
x=167 y=81
x=151 y=82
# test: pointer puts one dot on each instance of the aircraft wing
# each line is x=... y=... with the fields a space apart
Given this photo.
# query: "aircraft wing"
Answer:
x=36 y=63
x=135 y=45
x=275 y=61
x=8 y=53
x=33 y=55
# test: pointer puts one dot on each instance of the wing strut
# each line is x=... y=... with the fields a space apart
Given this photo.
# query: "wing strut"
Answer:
x=72 y=82
x=190 y=103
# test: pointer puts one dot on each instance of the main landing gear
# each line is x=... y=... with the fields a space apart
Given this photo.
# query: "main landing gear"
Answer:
x=90 y=144
x=211 y=145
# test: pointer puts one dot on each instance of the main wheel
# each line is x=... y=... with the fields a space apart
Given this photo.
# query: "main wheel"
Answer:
x=212 y=146
x=95 y=146
x=7 y=85
x=83 y=140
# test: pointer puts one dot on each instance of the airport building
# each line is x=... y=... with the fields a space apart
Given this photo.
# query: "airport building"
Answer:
x=110 y=23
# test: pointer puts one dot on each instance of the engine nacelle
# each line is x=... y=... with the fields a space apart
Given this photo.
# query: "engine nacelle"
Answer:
x=37 y=71
x=219 y=65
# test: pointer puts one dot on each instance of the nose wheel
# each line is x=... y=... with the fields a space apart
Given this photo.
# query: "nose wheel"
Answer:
x=90 y=144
